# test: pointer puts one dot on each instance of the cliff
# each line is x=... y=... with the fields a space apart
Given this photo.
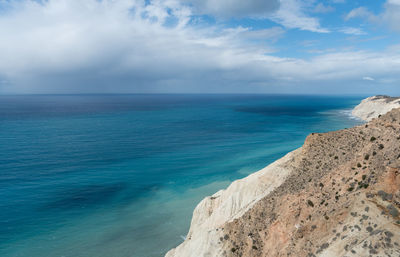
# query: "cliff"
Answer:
x=374 y=106
x=337 y=195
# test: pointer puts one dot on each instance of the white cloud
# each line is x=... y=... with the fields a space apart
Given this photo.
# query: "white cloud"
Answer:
x=360 y=12
x=368 y=78
x=270 y=34
x=352 y=31
x=292 y=15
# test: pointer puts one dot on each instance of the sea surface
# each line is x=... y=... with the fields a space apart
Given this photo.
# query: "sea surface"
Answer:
x=119 y=175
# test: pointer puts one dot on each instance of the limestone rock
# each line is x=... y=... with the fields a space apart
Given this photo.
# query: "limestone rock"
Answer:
x=374 y=106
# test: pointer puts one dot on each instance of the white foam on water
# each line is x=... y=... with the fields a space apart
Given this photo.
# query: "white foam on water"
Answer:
x=347 y=113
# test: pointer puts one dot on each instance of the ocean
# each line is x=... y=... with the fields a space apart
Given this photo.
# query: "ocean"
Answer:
x=119 y=175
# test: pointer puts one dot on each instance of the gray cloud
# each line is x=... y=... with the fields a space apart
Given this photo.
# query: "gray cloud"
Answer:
x=73 y=46
x=121 y=46
x=289 y=13
x=391 y=15
x=235 y=8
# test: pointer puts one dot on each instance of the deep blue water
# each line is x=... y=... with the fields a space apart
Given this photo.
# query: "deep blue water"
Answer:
x=119 y=175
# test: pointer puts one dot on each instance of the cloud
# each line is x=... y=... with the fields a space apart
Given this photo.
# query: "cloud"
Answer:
x=388 y=17
x=73 y=46
x=321 y=8
x=360 y=12
x=394 y=2
x=121 y=45
x=292 y=15
x=391 y=14
x=235 y=8
x=368 y=78
x=270 y=34
x=289 y=13
x=309 y=43
x=352 y=31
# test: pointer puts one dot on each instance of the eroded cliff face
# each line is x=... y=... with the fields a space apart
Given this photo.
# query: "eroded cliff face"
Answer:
x=374 y=106
x=212 y=213
x=338 y=195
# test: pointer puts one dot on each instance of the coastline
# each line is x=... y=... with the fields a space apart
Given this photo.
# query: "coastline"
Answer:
x=209 y=143
x=209 y=219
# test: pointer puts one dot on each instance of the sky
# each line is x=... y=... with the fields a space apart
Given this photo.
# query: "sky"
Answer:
x=200 y=46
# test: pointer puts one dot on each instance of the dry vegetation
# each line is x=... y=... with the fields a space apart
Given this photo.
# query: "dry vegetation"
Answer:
x=342 y=200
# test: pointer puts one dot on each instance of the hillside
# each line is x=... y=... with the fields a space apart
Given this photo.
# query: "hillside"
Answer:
x=337 y=195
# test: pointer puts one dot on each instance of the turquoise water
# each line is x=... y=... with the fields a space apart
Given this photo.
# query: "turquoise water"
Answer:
x=119 y=175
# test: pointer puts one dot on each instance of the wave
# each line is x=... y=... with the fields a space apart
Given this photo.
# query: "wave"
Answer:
x=342 y=112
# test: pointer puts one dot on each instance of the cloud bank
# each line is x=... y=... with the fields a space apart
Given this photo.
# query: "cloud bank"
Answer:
x=73 y=46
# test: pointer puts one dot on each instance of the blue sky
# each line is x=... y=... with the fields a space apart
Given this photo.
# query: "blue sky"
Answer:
x=200 y=46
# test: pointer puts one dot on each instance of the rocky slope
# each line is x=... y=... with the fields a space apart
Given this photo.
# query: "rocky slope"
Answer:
x=338 y=195
x=374 y=106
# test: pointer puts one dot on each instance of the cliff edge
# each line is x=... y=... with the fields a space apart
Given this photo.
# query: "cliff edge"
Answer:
x=337 y=195
x=374 y=106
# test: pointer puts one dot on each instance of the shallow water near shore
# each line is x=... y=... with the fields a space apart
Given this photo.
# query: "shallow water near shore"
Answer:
x=119 y=175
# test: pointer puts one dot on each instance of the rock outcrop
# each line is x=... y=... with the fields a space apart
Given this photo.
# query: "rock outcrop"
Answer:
x=374 y=106
x=337 y=195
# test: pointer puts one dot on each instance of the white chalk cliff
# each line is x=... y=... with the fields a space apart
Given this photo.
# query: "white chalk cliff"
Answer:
x=224 y=206
x=374 y=106
x=337 y=195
